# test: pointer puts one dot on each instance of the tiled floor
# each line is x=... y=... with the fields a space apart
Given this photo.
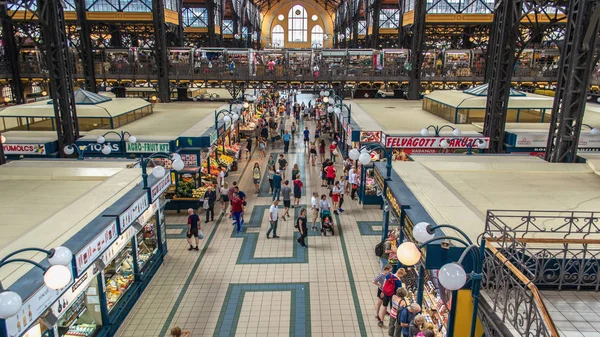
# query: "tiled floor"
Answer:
x=245 y=285
x=574 y=313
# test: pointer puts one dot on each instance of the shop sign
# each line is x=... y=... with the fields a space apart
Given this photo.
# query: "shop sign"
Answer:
x=379 y=181
x=149 y=213
x=35 y=331
x=162 y=185
x=116 y=247
x=394 y=206
x=213 y=137
x=38 y=149
x=132 y=213
x=541 y=140
x=97 y=148
x=370 y=136
x=190 y=159
x=85 y=257
x=32 y=308
x=79 y=285
x=148 y=147
x=432 y=142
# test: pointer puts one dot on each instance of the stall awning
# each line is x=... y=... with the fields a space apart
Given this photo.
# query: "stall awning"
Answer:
x=482 y=90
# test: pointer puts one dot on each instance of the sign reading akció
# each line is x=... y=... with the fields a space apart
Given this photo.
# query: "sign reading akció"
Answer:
x=148 y=147
x=433 y=142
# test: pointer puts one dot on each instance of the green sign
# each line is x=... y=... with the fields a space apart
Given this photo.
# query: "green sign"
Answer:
x=148 y=147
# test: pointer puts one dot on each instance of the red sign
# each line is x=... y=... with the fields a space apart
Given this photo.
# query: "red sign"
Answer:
x=434 y=142
x=38 y=149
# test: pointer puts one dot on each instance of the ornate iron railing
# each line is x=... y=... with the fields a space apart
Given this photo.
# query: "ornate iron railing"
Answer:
x=514 y=299
x=556 y=250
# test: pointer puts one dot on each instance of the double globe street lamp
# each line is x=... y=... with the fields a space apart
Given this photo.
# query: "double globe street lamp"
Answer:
x=56 y=276
x=158 y=171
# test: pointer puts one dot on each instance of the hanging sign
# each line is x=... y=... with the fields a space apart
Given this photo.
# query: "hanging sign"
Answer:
x=190 y=159
x=132 y=213
x=32 y=308
x=370 y=136
x=37 y=149
x=85 y=257
x=97 y=148
x=213 y=137
x=540 y=140
x=116 y=247
x=79 y=285
x=434 y=142
x=162 y=185
x=148 y=147
x=394 y=205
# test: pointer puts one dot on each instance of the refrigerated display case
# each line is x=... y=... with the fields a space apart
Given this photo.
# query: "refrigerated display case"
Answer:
x=118 y=276
x=147 y=243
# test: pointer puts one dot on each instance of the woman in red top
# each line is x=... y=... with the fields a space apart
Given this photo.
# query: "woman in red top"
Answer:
x=332 y=151
x=330 y=170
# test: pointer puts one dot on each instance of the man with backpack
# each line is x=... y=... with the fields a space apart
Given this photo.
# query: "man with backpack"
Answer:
x=391 y=284
x=406 y=316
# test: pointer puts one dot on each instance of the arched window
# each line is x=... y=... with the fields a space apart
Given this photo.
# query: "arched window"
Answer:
x=316 y=37
x=297 y=24
x=278 y=37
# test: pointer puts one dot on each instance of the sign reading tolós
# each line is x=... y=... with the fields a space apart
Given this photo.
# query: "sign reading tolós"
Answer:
x=38 y=149
x=133 y=212
x=147 y=147
x=85 y=257
x=433 y=142
x=162 y=185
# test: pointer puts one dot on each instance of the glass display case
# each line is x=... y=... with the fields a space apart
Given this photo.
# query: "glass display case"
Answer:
x=118 y=276
x=147 y=241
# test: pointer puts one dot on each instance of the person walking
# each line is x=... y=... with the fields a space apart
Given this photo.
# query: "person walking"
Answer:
x=192 y=228
x=322 y=150
x=224 y=198
x=262 y=145
x=286 y=142
x=298 y=184
x=306 y=136
x=286 y=194
x=271 y=175
x=342 y=185
x=256 y=177
x=281 y=126
x=277 y=185
x=293 y=129
x=333 y=152
x=271 y=162
x=353 y=180
x=282 y=165
x=335 y=197
x=324 y=204
x=249 y=148
x=330 y=174
x=314 y=204
x=295 y=171
x=302 y=228
x=210 y=197
x=313 y=153
x=273 y=218
x=237 y=207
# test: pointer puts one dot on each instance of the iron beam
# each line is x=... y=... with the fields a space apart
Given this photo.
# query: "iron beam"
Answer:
x=576 y=63
x=11 y=51
x=52 y=22
x=210 y=10
x=85 y=52
x=161 y=54
x=416 y=48
x=501 y=63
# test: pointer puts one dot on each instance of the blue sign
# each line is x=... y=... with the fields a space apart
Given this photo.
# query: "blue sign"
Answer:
x=93 y=147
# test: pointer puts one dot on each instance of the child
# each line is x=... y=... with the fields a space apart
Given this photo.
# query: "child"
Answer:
x=428 y=329
x=379 y=280
x=398 y=304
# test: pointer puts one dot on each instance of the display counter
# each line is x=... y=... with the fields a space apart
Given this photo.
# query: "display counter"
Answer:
x=433 y=308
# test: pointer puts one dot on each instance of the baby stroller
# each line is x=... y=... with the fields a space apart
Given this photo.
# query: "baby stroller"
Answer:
x=326 y=223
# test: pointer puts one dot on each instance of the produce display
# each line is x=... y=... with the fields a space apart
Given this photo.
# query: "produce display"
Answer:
x=186 y=189
x=82 y=330
x=199 y=192
x=370 y=186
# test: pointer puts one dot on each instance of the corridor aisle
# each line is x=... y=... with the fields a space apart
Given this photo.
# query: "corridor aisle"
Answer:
x=246 y=285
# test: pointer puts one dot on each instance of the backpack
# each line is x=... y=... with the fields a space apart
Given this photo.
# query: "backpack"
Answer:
x=389 y=287
x=380 y=249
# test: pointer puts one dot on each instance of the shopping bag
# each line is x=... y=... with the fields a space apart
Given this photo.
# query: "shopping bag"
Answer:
x=200 y=234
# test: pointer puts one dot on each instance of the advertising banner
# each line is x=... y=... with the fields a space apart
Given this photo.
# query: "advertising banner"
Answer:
x=37 y=149
x=147 y=147
x=434 y=142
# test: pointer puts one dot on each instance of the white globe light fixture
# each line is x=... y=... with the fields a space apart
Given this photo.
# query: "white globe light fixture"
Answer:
x=456 y=132
x=175 y=156
x=326 y=93
x=338 y=111
x=424 y=132
x=235 y=117
x=354 y=154
x=177 y=164
x=106 y=150
x=421 y=232
x=325 y=99
x=480 y=143
x=227 y=119
x=444 y=144
x=158 y=172
x=246 y=105
x=60 y=256
x=452 y=276
x=57 y=277
x=10 y=304
x=69 y=150
x=593 y=131
x=132 y=139
x=330 y=109
x=100 y=140
x=408 y=254
x=364 y=158
x=2 y=139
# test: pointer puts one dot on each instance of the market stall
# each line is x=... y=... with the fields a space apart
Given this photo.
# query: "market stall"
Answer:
x=333 y=62
x=360 y=62
x=394 y=61
x=299 y=62
x=458 y=63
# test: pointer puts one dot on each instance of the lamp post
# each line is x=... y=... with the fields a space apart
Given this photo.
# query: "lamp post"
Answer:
x=425 y=131
x=56 y=276
x=452 y=276
x=481 y=144
x=159 y=171
x=131 y=138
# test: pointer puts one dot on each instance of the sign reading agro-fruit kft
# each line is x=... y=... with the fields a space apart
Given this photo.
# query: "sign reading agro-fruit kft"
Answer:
x=148 y=147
